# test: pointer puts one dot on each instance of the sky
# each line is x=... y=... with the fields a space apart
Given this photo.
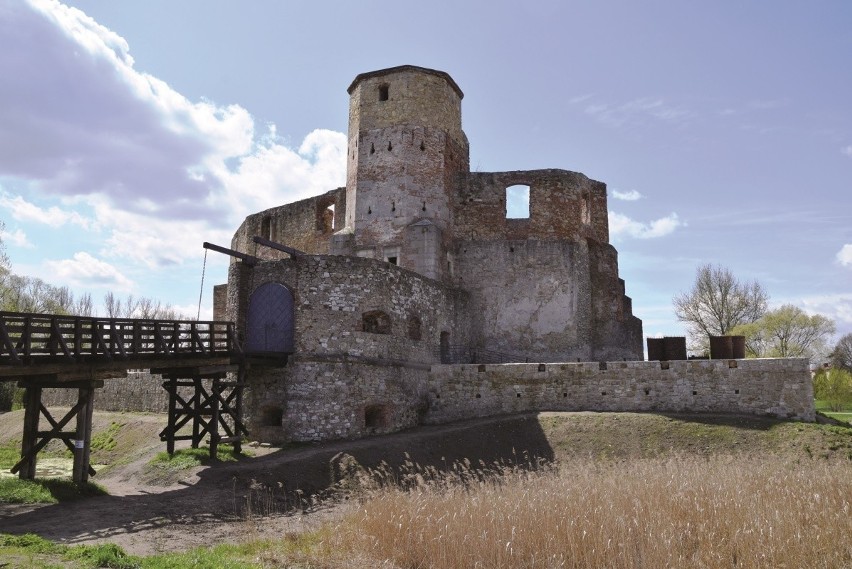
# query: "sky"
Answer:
x=131 y=132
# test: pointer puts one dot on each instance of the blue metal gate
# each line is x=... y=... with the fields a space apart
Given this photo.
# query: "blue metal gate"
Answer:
x=269 y=326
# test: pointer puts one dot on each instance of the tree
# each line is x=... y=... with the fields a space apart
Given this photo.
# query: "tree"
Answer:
x=717 y=303
x=834 y=386
x=841 y=356
x=787 y=332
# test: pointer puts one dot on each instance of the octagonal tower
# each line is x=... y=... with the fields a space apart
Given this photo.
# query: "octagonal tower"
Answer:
x=405 y=153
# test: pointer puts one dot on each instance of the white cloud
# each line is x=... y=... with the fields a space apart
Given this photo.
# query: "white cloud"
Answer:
x=636 y=111
x=160 y=173
x=847 y=151
x=622 y=226
x=23 y=210
x=835 y=306
x=844 y=256
x=17 y=238
x=85 y=270
x=630 y=196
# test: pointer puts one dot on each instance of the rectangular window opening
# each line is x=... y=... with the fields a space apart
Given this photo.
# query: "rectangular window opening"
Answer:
x=518 y=202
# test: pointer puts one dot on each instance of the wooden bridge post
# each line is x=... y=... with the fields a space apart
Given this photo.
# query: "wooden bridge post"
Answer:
x=83 y=440
x=171 y=428
x=32 y=412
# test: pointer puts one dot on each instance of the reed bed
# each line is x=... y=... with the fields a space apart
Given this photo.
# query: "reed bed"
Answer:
x=677 y=512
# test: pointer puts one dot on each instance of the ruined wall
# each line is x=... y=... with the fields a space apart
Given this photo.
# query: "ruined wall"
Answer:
x=528 y=298
x=563 y=206
x=616 y=332
x=775 y=387
x=305 y=225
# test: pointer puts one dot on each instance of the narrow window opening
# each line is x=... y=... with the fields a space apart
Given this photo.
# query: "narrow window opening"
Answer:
x=390 y=146
x=384 y=92
x=585 y=209
x=422 y=145
x=603 y=392
x=519 y=395
x=478 y=395
x=541 y=367
x=647 y=392
x=736 y=391
x=392 y=260
x=372 y=148
x=518 y=202
x=393 y=206
x=602 y=366
x=424 y=206
x=695 y=393
x=266 y=227
x=369 y=210
x=481 y=368
x=565 y=395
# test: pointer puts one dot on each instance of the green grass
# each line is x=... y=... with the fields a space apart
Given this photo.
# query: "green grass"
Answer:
x=32 y=551
x=844 y=414
x=191 y=457
x=107 y=440
x=45 y=491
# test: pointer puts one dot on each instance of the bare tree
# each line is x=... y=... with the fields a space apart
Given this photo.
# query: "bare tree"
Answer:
x=841 y=356
x=717 y=303
x=142 y=307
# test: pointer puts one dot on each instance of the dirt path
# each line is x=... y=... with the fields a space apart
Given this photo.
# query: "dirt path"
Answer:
x=209 y=505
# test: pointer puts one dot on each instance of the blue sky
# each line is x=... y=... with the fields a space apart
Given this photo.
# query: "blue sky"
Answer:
x=131 y=132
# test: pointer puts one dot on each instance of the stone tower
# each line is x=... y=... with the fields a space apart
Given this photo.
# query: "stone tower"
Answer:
x=406 y=152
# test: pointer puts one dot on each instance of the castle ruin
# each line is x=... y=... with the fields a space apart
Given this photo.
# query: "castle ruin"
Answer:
x=410 y=290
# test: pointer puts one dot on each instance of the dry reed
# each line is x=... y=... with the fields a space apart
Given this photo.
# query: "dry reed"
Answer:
x=677 y=512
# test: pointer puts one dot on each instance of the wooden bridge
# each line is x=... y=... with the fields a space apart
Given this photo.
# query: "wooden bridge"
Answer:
x=53 y=351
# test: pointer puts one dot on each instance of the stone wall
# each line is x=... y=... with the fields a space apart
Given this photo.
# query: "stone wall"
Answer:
x=775 y=387
x=140 y=391
x=305 y=225
x=563 y=206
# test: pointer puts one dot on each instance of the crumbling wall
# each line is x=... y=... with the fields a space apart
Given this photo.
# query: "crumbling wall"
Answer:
x=775 y=387
x=306 y=225
x=139 y=391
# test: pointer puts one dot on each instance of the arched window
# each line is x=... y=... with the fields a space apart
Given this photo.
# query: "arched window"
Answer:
x=376 y=322
x=269 y=324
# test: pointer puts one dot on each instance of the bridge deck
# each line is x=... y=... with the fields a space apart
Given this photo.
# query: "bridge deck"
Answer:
x=68 y=348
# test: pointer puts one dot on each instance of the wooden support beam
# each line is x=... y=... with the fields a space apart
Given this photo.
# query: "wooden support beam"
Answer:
x=247 y=259
x=83 y=441
x=32 y=413
x=278 y=246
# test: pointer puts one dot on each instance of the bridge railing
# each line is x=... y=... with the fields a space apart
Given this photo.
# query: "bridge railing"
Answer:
x=29 y=338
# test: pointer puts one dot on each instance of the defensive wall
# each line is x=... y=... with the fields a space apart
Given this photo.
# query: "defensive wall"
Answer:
x=345 y=397
x=774 y=387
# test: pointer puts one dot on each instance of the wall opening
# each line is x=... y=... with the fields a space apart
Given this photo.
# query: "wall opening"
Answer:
x=266 y=227
x=585 y=209
x=271 y=416
x=325 y=216
x=376 y=322
x=518 y=202
x=384 y=92
x=415 y=326
x=376 y=416
x=391 y=255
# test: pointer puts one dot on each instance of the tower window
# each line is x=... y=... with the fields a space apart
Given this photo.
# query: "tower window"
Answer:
x=376 y=322
x=383 y=92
